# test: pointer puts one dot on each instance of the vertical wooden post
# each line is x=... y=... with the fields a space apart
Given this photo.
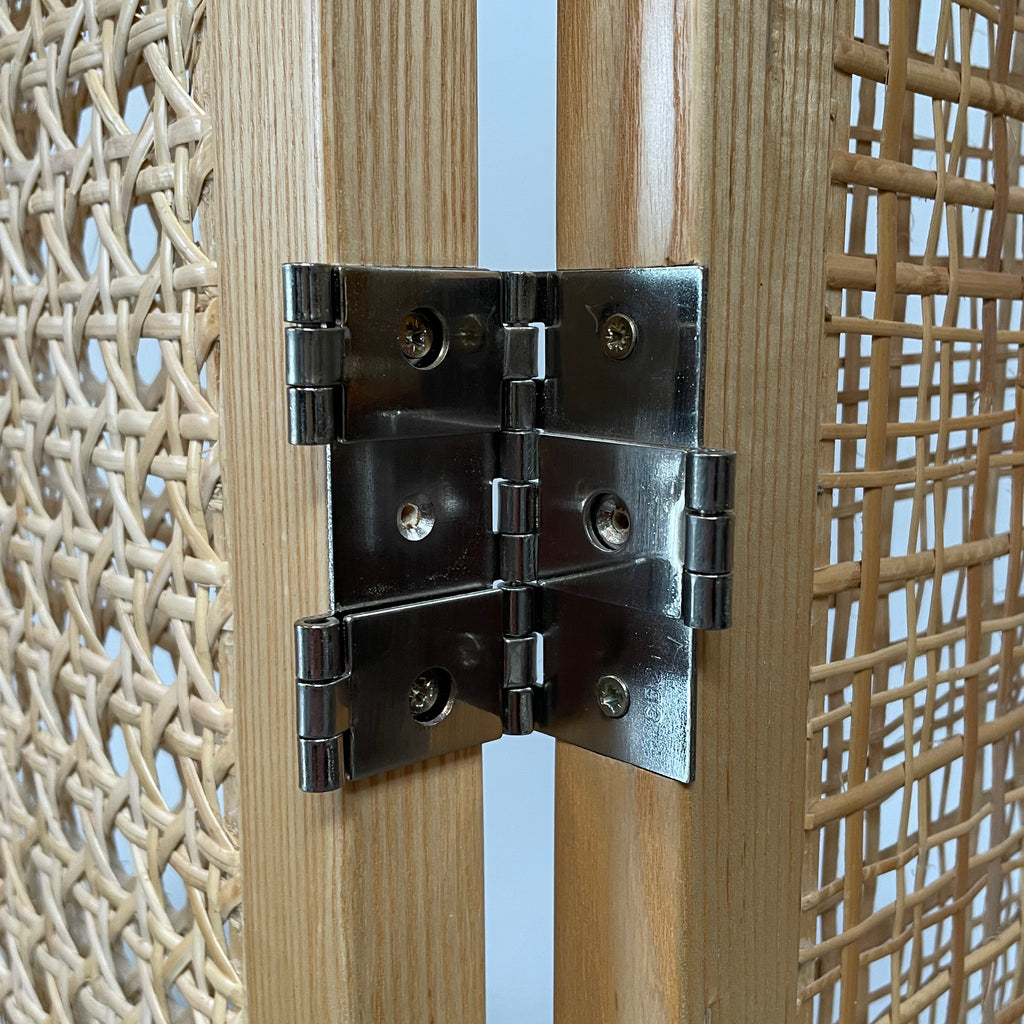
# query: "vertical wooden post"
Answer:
x=345 y=130
x=693 y=131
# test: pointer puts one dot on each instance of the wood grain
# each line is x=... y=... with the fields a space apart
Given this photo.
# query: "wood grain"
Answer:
x=700 y=132
x=344 y=131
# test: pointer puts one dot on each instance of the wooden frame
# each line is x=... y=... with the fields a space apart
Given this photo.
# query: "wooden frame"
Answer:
x=366 y=905
x=702 y=136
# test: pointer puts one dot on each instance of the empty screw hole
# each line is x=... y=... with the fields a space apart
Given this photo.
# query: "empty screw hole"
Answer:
x=415 y=517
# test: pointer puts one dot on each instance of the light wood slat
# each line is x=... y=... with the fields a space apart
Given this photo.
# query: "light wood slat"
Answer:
x=693 y=131
x=345 y=131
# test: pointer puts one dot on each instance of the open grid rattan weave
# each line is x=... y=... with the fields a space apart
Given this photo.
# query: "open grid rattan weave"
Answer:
x=119 y=885
x=915 y=835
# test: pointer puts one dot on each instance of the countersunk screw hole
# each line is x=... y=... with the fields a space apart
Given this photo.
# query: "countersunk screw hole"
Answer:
x=608 y=521
x=415 y=518
x=432 y=696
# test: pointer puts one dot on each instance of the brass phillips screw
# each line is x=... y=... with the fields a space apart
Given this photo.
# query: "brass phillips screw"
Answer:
x=416 y=338
x=423 y=694
x=618 y=334
x=612 y=696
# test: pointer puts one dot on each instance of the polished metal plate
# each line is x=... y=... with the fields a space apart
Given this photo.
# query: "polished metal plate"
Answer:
x=646 y=571
x=620 y=427
x=390 y=648
x=411 y=518
x=386 y=395
x=655 y=395
x=652 y=657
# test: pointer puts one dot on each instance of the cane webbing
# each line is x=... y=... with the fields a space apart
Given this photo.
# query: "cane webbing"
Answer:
x=119 y=885
x=915 y=836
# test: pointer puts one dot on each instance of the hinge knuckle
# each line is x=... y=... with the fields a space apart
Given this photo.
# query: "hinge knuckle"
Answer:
x=708 y=543
x=519 y=610
x=518 y=557
x=518 y=712
x=320 y=765
x=319 y=648
x=707 y=601
x=322 y=712
x=519 y=410
x=517 y=507
x=312 y=293
x=519 y=456
x=520 y=661
x=522 y=345
x=314 y=356
x=708 y=538
x=529 y=298
x=710 y=479
x=313 y=415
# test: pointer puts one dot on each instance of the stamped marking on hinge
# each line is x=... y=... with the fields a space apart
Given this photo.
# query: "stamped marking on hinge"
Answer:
x=610 y=538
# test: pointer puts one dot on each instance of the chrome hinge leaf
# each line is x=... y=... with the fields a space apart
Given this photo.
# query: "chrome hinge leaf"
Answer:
x=526 y=527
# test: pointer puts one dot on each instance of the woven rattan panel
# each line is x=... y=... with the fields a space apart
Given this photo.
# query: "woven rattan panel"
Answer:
x=915 y=835
x=119 y=885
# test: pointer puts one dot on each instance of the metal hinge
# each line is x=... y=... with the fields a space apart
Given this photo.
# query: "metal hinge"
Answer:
x=525 y=526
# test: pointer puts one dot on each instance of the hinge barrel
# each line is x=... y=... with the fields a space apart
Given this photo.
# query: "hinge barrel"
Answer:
x=708 y=538
x=313 y=293
x=529 y=298
x=313 y=415
x=322 y=711
x=314 y=352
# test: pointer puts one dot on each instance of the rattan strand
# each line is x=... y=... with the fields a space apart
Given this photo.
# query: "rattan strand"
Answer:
x=914 y=826
x=119 y=868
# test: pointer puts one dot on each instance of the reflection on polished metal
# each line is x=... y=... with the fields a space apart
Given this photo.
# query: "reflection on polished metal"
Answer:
x=570 y=529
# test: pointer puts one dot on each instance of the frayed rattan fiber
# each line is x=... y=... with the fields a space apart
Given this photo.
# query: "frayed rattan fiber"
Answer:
x=914 y=833
x=119 y=868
